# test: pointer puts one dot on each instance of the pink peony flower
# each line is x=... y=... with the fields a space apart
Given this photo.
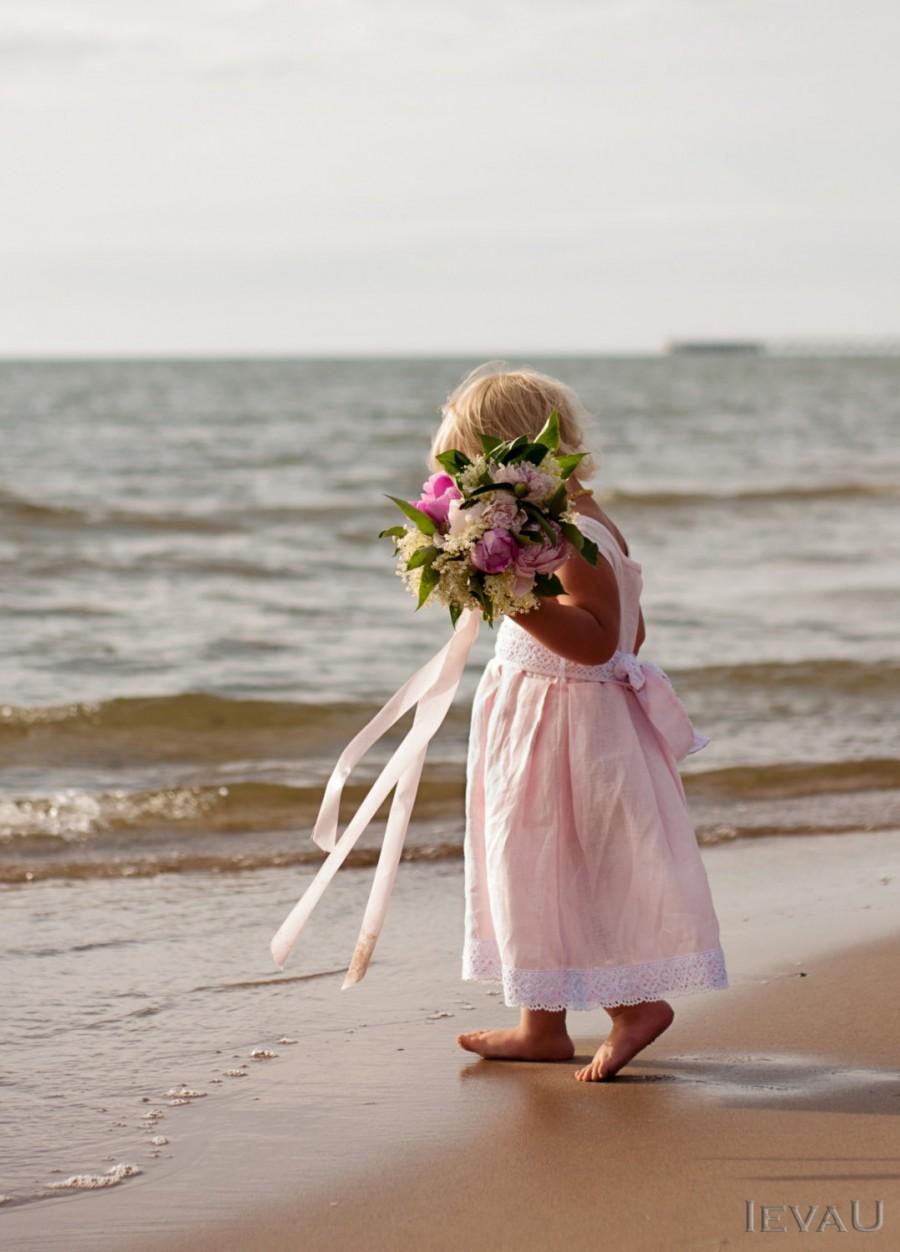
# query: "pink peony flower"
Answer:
x=495 y=551
x=505 y=512
x=539 y=485
x=437 y=492
x=543 y=558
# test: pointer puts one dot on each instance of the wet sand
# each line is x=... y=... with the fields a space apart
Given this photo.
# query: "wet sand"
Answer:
x=787 y=1095
x=376 y=1131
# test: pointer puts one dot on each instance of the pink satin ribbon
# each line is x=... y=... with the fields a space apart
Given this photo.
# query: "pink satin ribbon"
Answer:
x=431 y=689
x=653 y=688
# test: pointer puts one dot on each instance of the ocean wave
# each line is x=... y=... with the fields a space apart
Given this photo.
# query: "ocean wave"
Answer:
x=211 y=863
x=189 y=726
x=832 y=675
x=116 y=819
x=725 y=833
x=112 y=833
x=782 y=780
x=792 y=492
x=46 y=513
x=202 y=727
x=153 y=864
x=121 y=819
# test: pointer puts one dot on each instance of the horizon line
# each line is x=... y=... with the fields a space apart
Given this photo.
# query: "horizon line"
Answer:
x=772 y=344
x=335 y=355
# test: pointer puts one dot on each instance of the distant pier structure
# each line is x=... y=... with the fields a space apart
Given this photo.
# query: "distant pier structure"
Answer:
x=716 y=347
x=785 y=347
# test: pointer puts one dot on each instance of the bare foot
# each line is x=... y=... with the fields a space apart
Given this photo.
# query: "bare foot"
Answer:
x=518 y=1045
x=634 y=1026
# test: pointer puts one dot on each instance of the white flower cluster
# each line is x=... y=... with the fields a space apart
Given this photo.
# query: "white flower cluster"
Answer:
x=500 y=589
x=407 y=544
x=453 y=587
x=468 y=479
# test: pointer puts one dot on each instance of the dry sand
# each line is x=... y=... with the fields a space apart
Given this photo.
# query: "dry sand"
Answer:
x=783 y=1090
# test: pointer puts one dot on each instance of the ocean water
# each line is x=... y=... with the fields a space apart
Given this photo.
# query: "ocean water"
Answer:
x=198 y=614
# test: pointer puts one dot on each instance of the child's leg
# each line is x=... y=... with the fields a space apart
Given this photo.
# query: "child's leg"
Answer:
x=634 y=1026
x=540 y=1036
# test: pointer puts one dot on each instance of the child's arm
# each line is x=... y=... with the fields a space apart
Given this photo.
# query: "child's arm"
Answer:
x=581 y=625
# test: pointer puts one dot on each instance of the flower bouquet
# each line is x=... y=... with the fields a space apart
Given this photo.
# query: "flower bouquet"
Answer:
x=488 y=534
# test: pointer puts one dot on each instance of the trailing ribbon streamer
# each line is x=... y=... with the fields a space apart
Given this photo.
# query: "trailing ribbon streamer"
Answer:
x=431 y=689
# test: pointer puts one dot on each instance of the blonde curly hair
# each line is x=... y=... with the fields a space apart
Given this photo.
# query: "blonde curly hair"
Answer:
x=496 y=400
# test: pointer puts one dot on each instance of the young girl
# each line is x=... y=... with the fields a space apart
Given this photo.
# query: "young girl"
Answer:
x=583 y=879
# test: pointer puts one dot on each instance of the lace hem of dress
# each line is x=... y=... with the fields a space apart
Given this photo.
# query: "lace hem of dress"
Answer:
x=599 y=987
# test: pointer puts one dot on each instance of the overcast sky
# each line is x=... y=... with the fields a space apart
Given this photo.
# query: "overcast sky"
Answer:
x=440 y=176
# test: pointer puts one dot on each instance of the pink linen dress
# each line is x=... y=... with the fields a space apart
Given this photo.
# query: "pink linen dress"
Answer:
x=584 y=885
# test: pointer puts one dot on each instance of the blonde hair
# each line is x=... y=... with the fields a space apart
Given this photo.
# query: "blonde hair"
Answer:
x=495 y=400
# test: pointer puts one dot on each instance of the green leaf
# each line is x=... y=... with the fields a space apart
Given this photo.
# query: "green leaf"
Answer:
x=519 y=444
x=479 y=491
x=589 y=551
x=489 y=443
x=557 y=501
x=453 y=461
x=477 y=588
x=455 y=610
x=521 y=454
x=569 y=462
x=396 y=531
x=422 y=556
x=535 y=453
x=422 y=520
x=548 y=585
x=575 y=536
x=536 y=514
x=548 y=435
x=427 y=584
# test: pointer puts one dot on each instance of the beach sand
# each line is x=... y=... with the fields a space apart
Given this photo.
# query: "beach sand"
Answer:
x=787 y=1095
x=782 y=1090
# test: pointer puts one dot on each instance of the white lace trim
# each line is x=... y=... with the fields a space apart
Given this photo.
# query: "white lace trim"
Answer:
x=599 y=987
x=516 y=645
